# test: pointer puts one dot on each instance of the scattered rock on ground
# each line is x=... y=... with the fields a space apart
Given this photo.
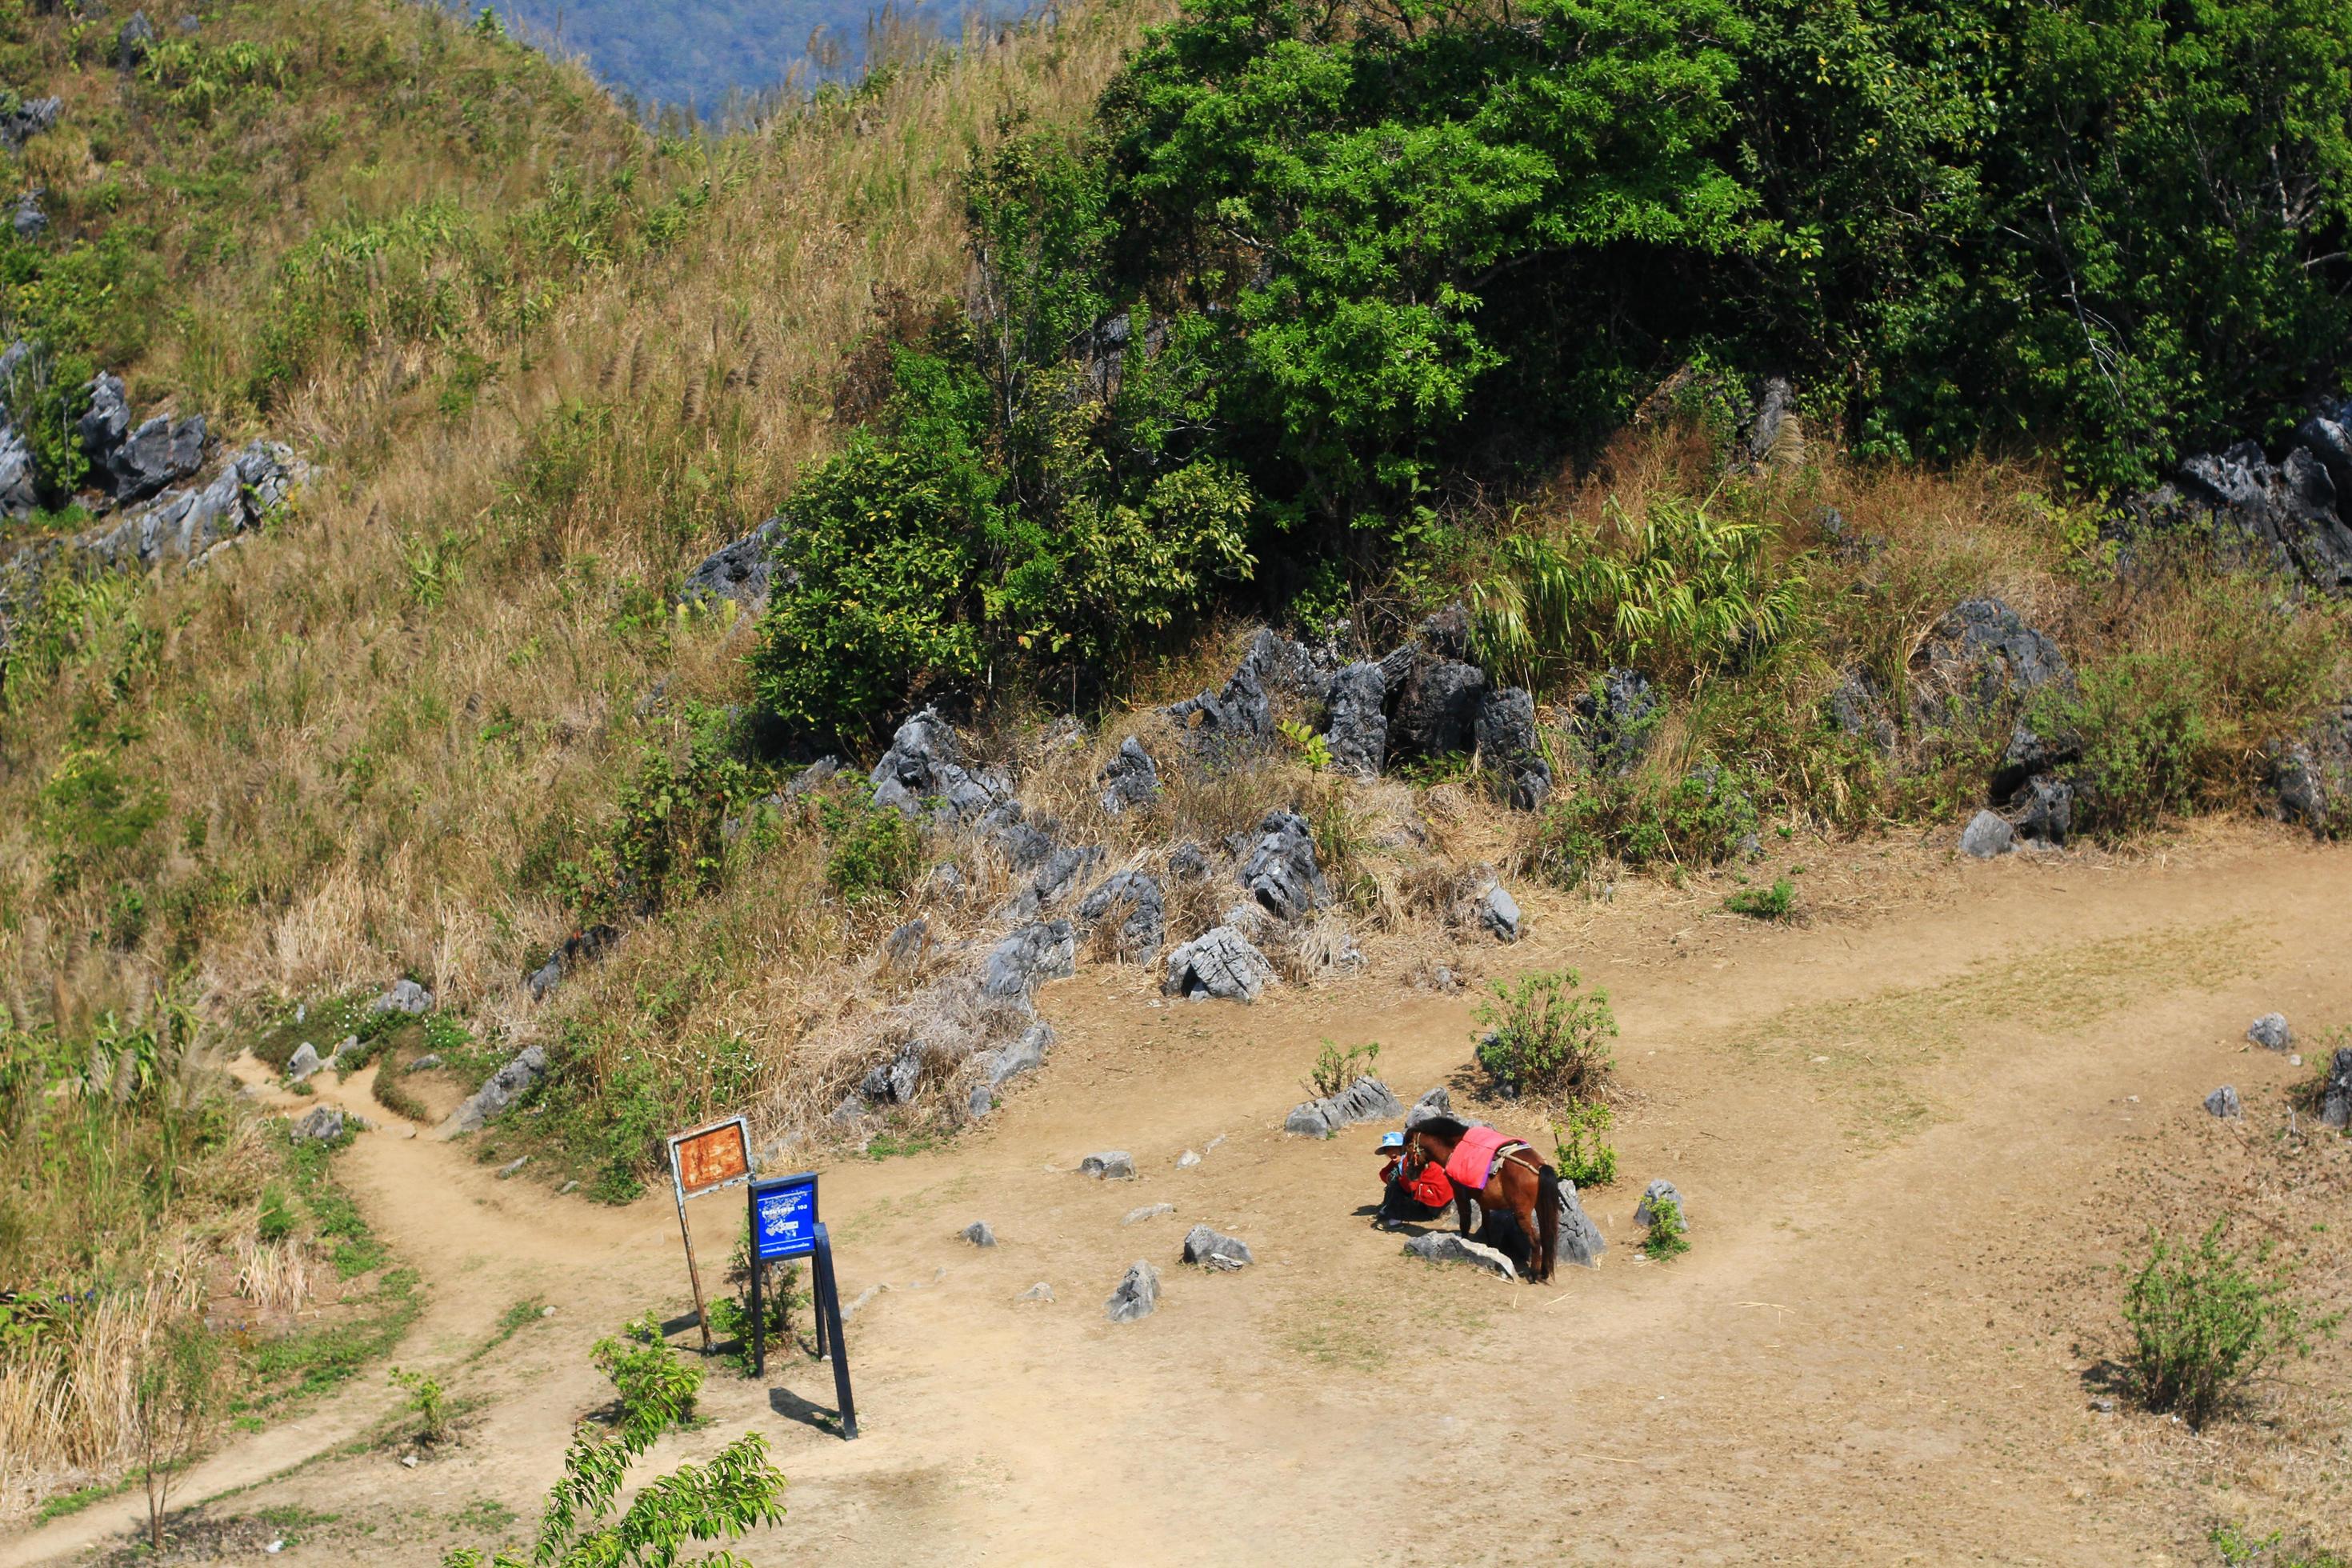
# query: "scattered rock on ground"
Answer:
x=1149 y=1211
x=511 y=1166
x=1988 y=835
x=2224 y=1102
x=1111 y=1165
x=1219 y=965
x=904 y=947
x=2270 y=1032
x=1188 y=1158
x=321 y=1123
x=1129 y=780
x=1029 y=956
x=979 y=1235
x=405 y=996
x=1499 y=913
x=924 y=765
x=1366 y=1100
x=1446 y=1247
x=426 y=1062
x=1211 y=1249
x=303 y=1062
x=504 y=1087
x=1646 y=1210
x=743 y=572
x=1187 y=861
x=579 y=948
x=1040 y=1292
x=1137 y=1294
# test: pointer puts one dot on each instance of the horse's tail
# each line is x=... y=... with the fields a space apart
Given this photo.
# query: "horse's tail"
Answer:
x=1548 y=1219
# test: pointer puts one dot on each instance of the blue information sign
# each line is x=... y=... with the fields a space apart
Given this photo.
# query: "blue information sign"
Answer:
x=783 y=1217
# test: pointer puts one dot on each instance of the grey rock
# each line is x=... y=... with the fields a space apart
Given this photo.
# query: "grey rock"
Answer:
x=1149 y=1211
x=106 y=422
x=1580 y=1240
x=1135 y=899
x=1645 y=1211
x=405 y=996
x=29 y=120
x=580 y=949
x=924 y=765
x=1024 y=1055
x=1040 y=1292
x=1237 y=716
x=2271 y=1033
x=320 y=1123
x=1129 y=779
x=817 y=774
x=2310 y=777
x=907 y=1074
x=511 y=1166
x=2224 y=1102
x=1437 y=709
x=979 y=1235
x=303 y=1062
x=1187 y=861
x=1209 y=1248
x=1188 y=1158
x=1136 y=1296
x=1847 y=543
x=2287 y=516
x=1110 y=1165
x=946 y=879
x=1359 y=728
x=743 y=572
x=349 y=1044
x=1774 y=434
x=851 y=1108
x=1439 y=1099
x=1499 y=913
x=2335 y=1094
x=425 y=1063
x=904 y=947
x=1281 y=872
x=1508 y=749
x=1446 y=1247
x=1058 y=873
x=1028 y=957
x=1219 y=965
x=27 y=218
x=19 y=482
x=2046 y=806
x=134 y=42
x=981 y=1101
x=1988 y=835
x=154 y=455
x=1858 y=707
x=503 y=1089
x=1980 y=657
x=1616 y=719
x=1366 y=1100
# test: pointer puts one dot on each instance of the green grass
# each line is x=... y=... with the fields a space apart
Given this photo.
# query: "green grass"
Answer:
x=73 y=1502
x=327 y=1356
x=1773 y=904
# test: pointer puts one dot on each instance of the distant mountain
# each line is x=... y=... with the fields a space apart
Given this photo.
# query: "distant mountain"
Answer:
x=696 y=51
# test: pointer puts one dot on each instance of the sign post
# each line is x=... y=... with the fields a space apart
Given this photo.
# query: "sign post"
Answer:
x=704 y=1161
x=783 y=1226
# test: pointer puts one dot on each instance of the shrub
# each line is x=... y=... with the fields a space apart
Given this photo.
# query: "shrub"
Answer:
x=875 y=851
x=2205 y=1321
x=730 y=1316
x=1335 y=1069
x=1669 y=1233
x=1773 y=904
x=1544 y=1033
x=657 y=1385
x=2148 y=745
x=1700 y=819
x=427 y=1402
x=1582 y=1151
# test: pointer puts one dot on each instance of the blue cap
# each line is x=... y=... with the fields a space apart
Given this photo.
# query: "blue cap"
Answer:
x=1392 y=1141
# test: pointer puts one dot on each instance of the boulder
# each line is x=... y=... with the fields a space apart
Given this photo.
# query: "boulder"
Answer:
x=1359 y=728
x=1988 y=835
x=1774 y=435
x=2271 y=1033
x=303 y=1062
x=924 y=766
x=1187 y=861
x=320 y=1123
x=2046 y=810
x=1129 y=780
x=1446 y=1247
x=19 y=484
x=1615 y=720
x=2310 y=777
x=1110 y=1165
x=1135 y=899
x=1646 y=1210
x=154 y=455
x=742 y=572
x=425 y=1063
x=1030 y=955
x=135 y=42
x=1438 y=1101
x=1219 y=965
x=977 y=1233
x=1281 y=872
x=1137 y=1294
x=1024 y=1055
x=1859 y=709
x=513 y=1167
x=1366 y=1100
x=503 y=1087
x=1209 y=1248
x=1437 y=709
x=1509 y=751
x=2224 y=1102
x=105 y=423
x=904 y=946
x=27 y=218
x=405 y=996
x=2287 y=516
x=29 y=120
x=2335 y=1094
x=582 y=947
x=1237 y=716
x=1579 y=1241
x=906 y=1072
x=1980 y=657
x=1499 y=913
x=1040 y=1292
x=1058 y=873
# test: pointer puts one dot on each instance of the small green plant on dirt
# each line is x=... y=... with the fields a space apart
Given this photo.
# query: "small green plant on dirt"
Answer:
x=656 y=1384
x=1669 y=1233
x=2205 y=1321
x=1309 y=747
x=1582 y=1150
x=1773 y=904
x=427 y=1401
x=2273 y=1551
x=875 y=851
x=1335 y=1069
x=782 y=1292
x=1544 y=1033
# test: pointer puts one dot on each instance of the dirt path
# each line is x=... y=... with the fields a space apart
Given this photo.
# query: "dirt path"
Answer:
x=1908 y=1135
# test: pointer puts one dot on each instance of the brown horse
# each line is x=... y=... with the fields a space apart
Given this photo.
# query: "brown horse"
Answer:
x=1520 y=1184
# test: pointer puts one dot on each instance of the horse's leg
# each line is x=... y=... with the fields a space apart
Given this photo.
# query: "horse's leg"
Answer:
x=1462 y=1204
x=1523 y=1206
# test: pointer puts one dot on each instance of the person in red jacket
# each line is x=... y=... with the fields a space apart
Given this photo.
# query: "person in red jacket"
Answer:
x=1427 y=1196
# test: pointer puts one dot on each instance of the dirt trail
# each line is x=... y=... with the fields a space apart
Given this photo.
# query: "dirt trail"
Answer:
x=1903 y=1135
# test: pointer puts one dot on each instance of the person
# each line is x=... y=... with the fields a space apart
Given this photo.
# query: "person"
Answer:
x=1427 y=1197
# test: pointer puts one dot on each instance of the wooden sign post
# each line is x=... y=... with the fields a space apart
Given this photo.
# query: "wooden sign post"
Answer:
x=704 y=1161
x=784 y=1225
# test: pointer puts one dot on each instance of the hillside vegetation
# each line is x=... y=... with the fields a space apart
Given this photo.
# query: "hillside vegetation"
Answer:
x=1060 y=358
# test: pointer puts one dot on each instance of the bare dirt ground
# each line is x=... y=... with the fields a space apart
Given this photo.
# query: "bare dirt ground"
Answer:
x=1915 y=1136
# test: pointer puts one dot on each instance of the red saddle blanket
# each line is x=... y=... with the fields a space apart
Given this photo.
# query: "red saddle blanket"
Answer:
x=1472 y=1160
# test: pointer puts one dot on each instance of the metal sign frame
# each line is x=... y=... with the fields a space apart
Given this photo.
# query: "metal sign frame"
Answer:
x=818 y=1250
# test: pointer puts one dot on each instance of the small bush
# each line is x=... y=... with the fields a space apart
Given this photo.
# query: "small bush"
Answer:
x=2148 y=745
x=657 y=1386
x=1700 y=819
x=875 y=851
x=1309 y=747
x=2205 y=1321
x=1544 y=1033
x=1669 y=1234
x=427 y=1401
x=1582 y=1150
x=1771 y=903
x=1335 y=1069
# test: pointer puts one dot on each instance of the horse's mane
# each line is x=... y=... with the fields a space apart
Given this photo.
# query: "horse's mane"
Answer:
x=1444 y=1126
